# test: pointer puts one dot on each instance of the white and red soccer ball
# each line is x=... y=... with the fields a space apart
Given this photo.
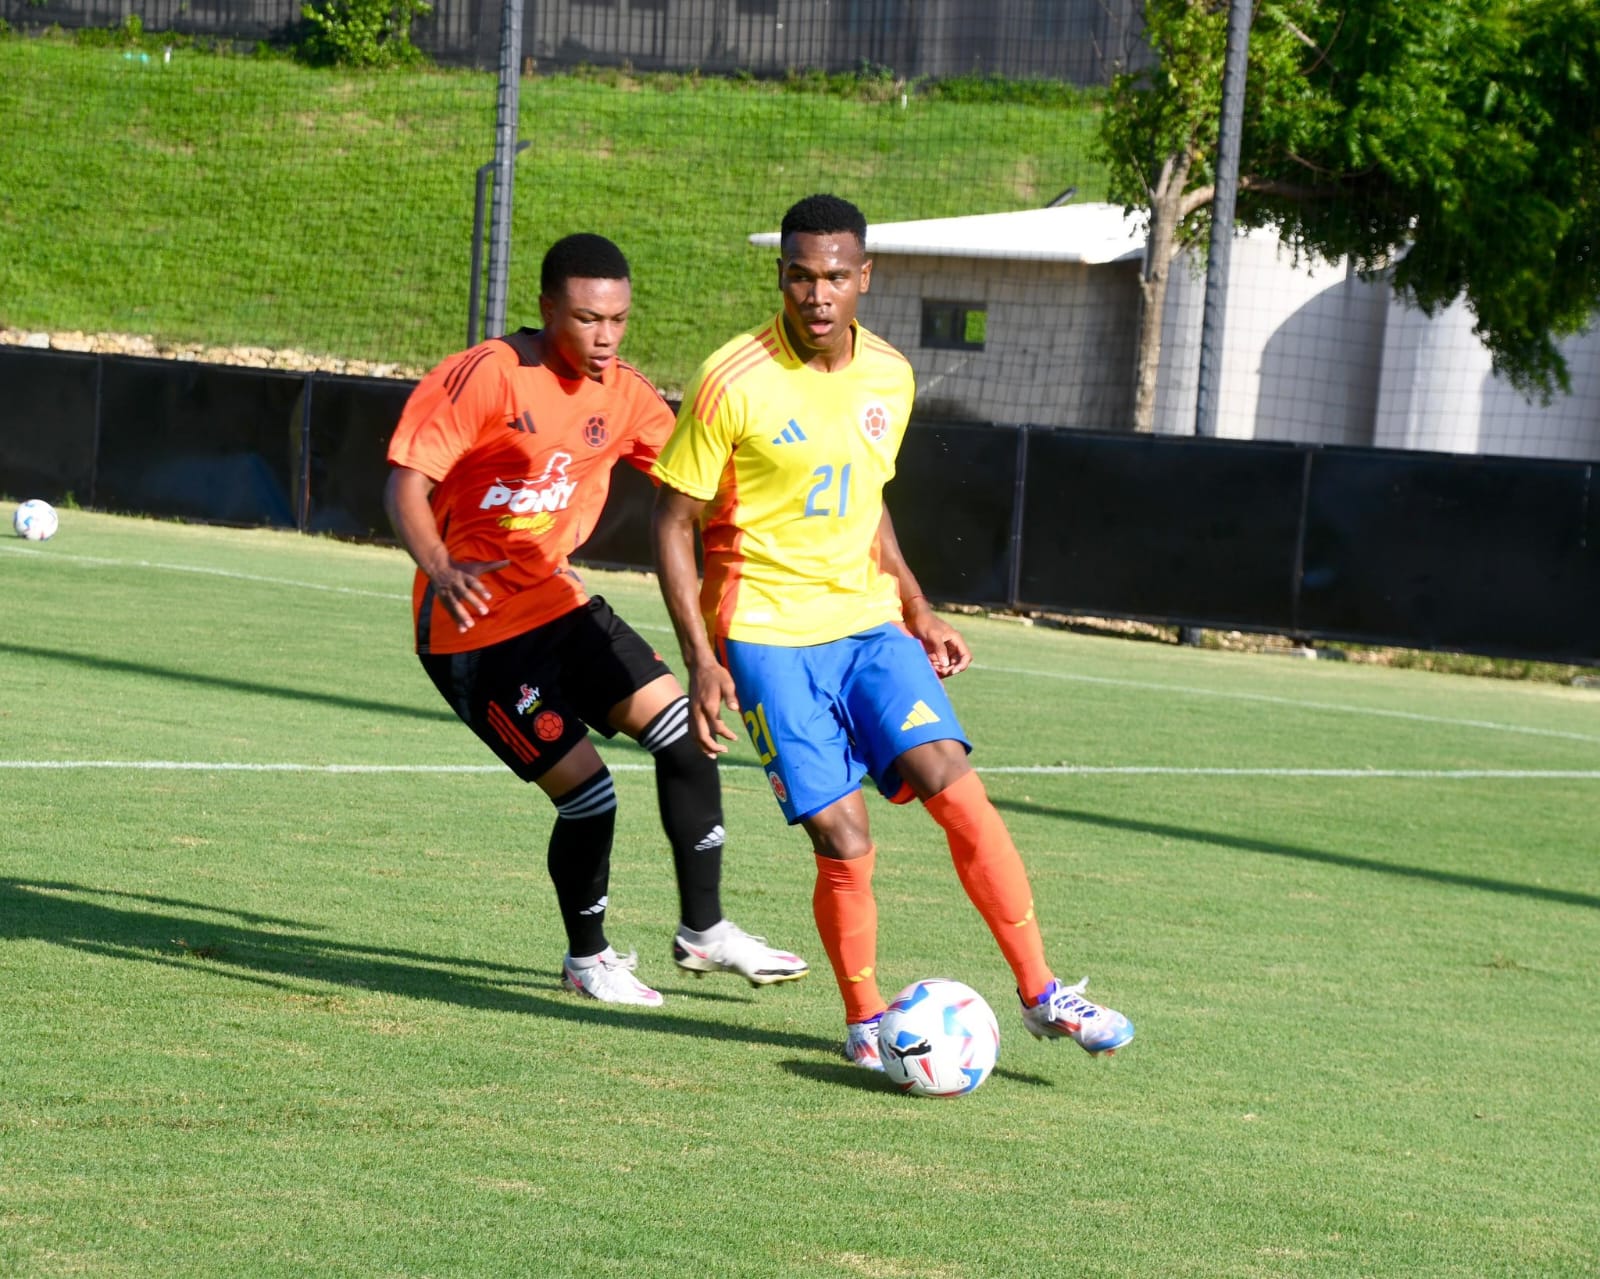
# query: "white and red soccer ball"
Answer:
x=35 y=520
x=938 y=1038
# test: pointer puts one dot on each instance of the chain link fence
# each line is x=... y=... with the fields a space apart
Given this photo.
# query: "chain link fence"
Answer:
x=216 y=201
x=1077 y=41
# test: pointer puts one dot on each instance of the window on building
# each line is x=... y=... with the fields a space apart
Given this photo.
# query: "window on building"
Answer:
x=954 y=326
x=758 y=6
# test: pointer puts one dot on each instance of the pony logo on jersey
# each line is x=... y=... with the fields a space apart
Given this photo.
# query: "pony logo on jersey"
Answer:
x=532 y=503
x=595 y=433
x=875 y=422
x=528 y=700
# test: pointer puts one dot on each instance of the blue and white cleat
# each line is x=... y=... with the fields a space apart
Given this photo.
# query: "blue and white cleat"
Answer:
x=1062 y=1012
x=861 y=1043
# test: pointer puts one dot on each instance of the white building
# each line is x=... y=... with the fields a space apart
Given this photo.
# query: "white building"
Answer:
x=1030 y=317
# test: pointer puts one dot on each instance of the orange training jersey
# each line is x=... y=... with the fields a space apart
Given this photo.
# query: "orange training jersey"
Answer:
x=791 y=462
x=521 y=461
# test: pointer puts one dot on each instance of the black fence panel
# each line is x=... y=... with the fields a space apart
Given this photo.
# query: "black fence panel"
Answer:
x=621 y=537
x=1483 y=554
x=952 y=501
x=1202 y=532
x=1489 y=555
x=354 y=419
x=47 y=424
x=202 y=441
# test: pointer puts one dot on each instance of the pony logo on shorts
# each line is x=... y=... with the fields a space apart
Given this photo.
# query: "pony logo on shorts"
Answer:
x=528 y=700
x=547 y=726
x=875 y=422
x=778 y=788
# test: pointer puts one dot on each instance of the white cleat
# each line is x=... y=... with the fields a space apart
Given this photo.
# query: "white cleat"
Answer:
x=609 y=979
x=736 y=951
x=861 y=1043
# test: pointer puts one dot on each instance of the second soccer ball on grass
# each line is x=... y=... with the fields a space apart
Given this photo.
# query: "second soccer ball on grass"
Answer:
x=35 y=520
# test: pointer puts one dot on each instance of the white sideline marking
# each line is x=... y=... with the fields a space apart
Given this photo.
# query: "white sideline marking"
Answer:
x=1142 y=685
x=56 y=556
x=1056 y=770
x=240 y=577
x=1298 y=704
x=1425 y=774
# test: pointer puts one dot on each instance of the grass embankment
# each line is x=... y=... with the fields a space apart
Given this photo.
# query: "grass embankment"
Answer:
x=248 y=200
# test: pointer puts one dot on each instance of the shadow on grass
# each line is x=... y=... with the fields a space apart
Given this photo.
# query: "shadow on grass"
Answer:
x=1345 y=860
x=288 y=955
x=843 y=1075
x=278 y=692
x=838 y=1073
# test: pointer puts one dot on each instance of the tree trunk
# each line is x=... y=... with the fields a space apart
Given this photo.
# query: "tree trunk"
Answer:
x=1160 y=245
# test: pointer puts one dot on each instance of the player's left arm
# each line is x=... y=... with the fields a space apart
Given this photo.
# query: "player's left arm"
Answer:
x=947 y=651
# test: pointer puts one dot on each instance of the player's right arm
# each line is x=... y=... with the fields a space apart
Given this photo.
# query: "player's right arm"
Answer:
x=458 y=584
x=689 y=472
x=673 y=528
x=441 y=421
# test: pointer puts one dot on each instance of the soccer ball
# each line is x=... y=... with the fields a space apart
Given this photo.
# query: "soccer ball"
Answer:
x=938 y=1038
x=35 y=520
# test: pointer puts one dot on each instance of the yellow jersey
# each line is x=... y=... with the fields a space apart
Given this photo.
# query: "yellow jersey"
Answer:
x=791 y=462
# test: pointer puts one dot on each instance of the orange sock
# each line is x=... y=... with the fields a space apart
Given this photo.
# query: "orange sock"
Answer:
x=847 y=919
x=996 y=881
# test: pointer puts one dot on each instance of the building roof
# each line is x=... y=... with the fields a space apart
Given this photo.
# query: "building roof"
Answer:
x=1071 y=233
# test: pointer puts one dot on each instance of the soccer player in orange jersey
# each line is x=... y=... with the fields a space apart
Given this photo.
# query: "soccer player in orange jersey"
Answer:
x=500 y=467
x=812 y=628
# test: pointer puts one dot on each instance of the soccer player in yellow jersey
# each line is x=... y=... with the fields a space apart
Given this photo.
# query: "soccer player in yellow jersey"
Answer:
x=811 y=627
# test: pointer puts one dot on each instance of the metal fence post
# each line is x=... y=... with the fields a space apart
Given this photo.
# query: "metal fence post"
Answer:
x=1222 y=207
x=505 y=159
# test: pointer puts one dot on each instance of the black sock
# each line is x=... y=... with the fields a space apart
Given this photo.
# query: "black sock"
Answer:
x=579 y=860
x=689 y=794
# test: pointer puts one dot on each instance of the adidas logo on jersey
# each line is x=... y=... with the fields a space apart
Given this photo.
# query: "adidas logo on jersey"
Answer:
x=791 y=434
x=920 y=715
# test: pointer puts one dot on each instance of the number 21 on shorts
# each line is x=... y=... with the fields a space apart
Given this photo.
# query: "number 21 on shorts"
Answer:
x=755 y=723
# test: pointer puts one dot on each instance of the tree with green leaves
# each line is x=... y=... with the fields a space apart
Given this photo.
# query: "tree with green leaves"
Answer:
x=1451 y=145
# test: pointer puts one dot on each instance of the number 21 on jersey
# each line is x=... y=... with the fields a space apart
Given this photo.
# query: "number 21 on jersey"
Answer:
x=826 y=496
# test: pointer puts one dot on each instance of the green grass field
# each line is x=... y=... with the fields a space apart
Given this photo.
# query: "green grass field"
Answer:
x=242 y=200
x=278 y=958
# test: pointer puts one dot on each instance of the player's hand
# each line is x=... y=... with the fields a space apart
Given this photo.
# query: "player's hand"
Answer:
x=710 y=689
x=462 y=591
x=948 y=653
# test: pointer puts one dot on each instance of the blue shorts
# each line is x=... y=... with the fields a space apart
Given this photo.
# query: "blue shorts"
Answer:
x=824 y=716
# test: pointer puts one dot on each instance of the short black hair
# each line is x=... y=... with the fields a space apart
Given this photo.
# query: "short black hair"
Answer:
x=584 y=256
x=824 y=215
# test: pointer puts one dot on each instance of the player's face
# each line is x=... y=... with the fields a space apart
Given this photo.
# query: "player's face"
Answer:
x=583 y=326
x=822 y=278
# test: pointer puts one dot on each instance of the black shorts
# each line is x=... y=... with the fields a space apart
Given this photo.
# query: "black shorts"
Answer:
x=534 y=697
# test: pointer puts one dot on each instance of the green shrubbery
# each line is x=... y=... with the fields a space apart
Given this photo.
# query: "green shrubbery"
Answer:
x=361 y=33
